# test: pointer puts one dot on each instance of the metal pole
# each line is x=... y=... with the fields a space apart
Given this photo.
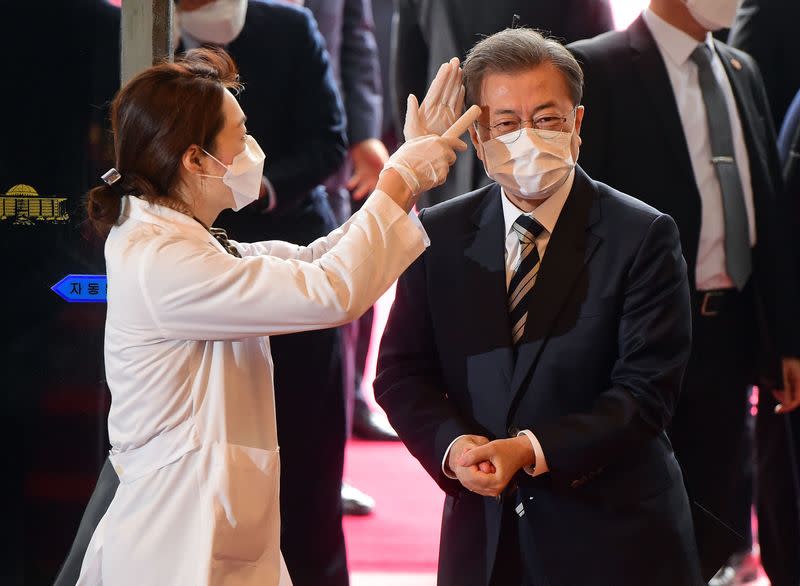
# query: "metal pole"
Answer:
x=146 y=35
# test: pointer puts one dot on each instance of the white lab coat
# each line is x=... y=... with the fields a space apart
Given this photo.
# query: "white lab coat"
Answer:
x=192 y=420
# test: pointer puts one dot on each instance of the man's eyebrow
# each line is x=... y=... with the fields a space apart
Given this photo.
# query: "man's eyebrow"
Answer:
x=538 y=108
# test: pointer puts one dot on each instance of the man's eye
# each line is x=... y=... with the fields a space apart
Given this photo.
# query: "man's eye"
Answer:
x=506 y=124
x=548 y=121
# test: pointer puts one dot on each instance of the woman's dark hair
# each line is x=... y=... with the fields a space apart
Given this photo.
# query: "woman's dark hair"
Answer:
x=155 y=117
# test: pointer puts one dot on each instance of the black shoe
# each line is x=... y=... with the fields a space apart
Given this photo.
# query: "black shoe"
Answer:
x=355 y=502
x=369 y=425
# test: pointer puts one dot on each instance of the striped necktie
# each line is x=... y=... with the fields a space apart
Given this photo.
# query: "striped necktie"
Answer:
x=527 y=230
x=221 y=236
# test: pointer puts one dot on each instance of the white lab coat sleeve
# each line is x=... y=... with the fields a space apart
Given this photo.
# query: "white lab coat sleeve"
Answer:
x=287 y=250
x=196 y=292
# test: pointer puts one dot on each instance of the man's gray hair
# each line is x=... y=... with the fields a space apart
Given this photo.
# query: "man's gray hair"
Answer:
x=517 y=49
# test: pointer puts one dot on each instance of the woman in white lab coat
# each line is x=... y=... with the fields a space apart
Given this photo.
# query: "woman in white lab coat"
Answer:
x=192 y=420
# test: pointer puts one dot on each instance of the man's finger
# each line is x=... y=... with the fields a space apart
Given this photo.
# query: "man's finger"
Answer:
x=475 y=456
x=487 y=468
x=353 y=181
x=460 y=126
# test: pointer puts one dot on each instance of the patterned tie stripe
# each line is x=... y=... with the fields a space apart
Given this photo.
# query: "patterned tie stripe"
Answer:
x=522 y=282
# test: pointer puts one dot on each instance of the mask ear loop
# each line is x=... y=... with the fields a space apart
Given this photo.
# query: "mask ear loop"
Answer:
x=218 y=161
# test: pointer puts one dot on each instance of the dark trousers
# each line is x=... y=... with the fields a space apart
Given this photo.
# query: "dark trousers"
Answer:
x=708 y=429
x=515 y=563
x=712 y=445
x=98 y=504
x=776 y=495
x=310 y=409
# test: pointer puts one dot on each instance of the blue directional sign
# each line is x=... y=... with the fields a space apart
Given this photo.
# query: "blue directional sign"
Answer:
x=82 y=288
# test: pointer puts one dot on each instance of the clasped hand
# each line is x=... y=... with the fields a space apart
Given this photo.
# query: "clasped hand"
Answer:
x=486 y=467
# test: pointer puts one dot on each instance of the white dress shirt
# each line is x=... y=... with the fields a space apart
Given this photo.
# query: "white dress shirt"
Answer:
x=546 y=214
x=676 y=48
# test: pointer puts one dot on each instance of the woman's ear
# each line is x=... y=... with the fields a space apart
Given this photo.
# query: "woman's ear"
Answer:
x=192 y=160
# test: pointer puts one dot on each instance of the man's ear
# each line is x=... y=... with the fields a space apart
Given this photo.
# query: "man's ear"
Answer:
x=473 y=134
x=192 y=160
x=579 y=112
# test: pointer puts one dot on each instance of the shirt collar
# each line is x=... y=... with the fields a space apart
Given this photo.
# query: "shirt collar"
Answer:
x=674 y=44
x=546 y=213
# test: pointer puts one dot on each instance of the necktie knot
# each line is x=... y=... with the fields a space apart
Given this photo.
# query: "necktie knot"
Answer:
x=527 y=229
x=702 y=56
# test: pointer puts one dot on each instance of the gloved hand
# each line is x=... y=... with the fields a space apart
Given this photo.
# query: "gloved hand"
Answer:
x=441 y=106
x=424 y=162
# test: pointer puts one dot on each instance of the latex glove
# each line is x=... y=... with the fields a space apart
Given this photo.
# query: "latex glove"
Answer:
x=441 y=106
x=368 y=156
x=424 y=162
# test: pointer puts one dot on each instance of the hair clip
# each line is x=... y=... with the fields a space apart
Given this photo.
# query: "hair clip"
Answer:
x=111 y=176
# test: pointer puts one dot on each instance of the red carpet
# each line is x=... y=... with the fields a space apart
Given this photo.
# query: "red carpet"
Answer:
x=403 y=533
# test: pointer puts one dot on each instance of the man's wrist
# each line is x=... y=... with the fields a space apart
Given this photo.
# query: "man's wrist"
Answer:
x=526 y=451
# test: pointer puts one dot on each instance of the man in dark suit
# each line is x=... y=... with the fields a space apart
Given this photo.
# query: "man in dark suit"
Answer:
x=682 y=121
x=295 y=113
x=535 y=351
x=429 y=32
x=348 y=29
x=767 y=31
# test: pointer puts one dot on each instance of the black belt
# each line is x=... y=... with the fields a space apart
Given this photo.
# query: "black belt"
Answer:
x=712 y=303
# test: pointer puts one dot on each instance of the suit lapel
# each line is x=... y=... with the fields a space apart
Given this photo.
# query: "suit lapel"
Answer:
x=649 y=65
x=570 y=248
x=484 y=282
x=747 y=113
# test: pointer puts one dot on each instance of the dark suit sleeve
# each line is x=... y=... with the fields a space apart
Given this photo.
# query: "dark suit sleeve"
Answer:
x=754 y=30
x=409 y=385
x=654 y=339
x=782 y=218
x=361 y=78
x=409 y=59
x=318 y=118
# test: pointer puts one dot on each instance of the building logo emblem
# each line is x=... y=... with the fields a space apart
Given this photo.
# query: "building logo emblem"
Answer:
x=22 y=205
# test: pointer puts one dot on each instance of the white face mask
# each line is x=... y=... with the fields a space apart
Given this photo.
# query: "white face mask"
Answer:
x=244 y=174
x=533 y=166
x=218 y=22
x=713 y=15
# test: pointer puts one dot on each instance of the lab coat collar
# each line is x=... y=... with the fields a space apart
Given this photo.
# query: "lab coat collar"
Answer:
x=172 y=220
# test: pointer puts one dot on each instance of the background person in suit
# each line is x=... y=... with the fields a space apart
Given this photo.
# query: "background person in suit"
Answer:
x=767 y=31
x=347 y=27
x=429 y=32
x=551 y=315
x=682 y=121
